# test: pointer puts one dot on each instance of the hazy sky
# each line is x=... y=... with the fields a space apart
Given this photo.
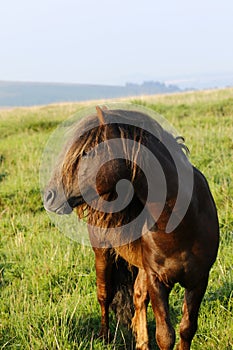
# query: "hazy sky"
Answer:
x=113 y=41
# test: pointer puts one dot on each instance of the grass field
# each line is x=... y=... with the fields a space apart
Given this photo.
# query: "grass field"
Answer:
x=47 y=282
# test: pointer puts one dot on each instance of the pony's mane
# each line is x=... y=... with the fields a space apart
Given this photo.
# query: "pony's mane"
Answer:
x=90 y=131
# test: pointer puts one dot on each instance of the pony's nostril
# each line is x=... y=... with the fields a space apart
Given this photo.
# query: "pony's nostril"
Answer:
x=50 y=196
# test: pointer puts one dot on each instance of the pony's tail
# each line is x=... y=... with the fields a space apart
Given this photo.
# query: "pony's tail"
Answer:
x=123 y=278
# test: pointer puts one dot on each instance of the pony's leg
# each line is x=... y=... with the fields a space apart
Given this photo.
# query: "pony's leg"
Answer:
x=191 y=305
x=103 y=265
x=159 y=294
x=139 y=322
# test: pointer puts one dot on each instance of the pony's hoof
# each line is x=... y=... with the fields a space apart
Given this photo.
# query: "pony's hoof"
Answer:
x=143 y=346
x=181 y=346
x=104 y=336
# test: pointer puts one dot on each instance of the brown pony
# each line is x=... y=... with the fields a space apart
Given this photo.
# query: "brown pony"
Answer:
x=150 y=257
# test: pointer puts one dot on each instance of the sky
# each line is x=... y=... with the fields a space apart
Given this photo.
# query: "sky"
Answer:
x=113 y=42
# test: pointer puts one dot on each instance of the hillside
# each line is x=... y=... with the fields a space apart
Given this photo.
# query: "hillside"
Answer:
x=47 y=281
x=13 y=94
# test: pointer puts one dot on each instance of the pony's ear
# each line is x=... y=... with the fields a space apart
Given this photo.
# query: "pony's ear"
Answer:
x=100 y=114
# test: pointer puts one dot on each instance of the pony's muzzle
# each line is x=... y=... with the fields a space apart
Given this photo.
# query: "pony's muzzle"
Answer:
x=56 y=203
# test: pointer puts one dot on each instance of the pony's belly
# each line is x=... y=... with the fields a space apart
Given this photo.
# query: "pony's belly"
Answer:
x=132 y=253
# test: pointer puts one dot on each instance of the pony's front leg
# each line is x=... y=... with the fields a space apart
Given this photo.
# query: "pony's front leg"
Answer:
x=103 y=265
x=159 y=294
x=191 y=305
x=139 y=322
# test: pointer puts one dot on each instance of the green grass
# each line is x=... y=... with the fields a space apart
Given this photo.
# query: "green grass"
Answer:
x=47 y=282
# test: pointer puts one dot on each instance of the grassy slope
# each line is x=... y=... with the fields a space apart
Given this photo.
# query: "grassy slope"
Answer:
x=47 y=282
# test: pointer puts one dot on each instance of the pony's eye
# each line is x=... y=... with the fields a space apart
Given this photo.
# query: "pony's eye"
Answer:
x=84 y=154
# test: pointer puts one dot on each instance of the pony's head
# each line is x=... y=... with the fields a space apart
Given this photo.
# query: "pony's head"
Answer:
x=84 y=173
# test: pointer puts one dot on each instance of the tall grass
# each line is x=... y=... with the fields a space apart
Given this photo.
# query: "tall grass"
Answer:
x=47 y=282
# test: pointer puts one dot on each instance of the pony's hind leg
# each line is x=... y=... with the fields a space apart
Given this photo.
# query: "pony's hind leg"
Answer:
x=103 y=265
x=159 y=294
x=191 y=305
x=139 y=322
